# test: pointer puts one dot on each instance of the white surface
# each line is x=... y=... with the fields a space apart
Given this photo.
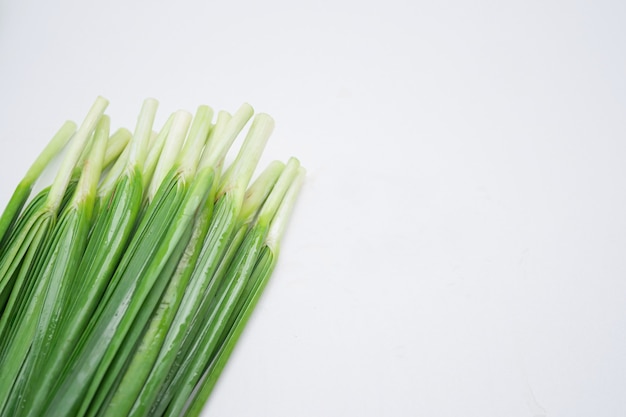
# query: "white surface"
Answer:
x=459 y=247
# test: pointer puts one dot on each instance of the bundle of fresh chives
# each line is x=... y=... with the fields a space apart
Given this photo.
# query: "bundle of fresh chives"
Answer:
x=125 y=285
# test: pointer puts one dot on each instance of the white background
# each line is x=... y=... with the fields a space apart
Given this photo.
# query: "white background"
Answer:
x=459 y=246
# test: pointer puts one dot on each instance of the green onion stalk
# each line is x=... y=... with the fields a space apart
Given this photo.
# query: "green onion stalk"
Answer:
x=110 y=235
x=125 y=285
x=146 y=355
x=116 y=146
x=198 y=134
x=23 y=262
x=212 y=322
x=184 y=174
x=28 y=237
x=221 y=228
x=155 y=152
x=261 y=274
x=25 y=187
x=54 y=288
x=160 y=234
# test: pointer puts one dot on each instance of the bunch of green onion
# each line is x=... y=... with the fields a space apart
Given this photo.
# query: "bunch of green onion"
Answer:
x=125 y=285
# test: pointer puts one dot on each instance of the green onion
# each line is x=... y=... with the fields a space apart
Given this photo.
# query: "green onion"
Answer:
x=25 y=245
x=260 y=276
x=222 y=226
x=24 y=188
x=110 y=236
x=233 y=284
x=198 y=133
x=162 y=228
x=125 y=284
x=116 y=146
x=53 y=292
x=155 y=152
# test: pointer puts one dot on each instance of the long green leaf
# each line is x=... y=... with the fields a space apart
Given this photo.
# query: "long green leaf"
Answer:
x=64 y=287
x=257 y=283
x=227 y=300
x=32 y=237
x=161 y=229
x=24 y=188
x=131 y=344
x=259 y=278
x=120 y=402
x=180 y=387
x=225 y=221
x=69 y=241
